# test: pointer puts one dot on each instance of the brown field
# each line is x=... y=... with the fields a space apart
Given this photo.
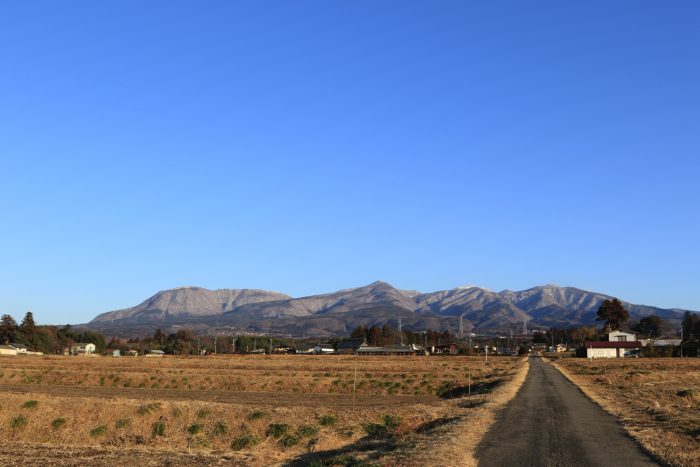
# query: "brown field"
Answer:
x=657 y=400
x=247 y=410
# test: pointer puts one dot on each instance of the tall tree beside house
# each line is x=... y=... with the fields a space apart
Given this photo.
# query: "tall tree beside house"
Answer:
x=8 y=329
x=688 y=325
x=28 y=326
x=613 y=313
x=651 y=326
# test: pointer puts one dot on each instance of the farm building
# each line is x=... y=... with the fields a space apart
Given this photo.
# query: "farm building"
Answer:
x=323 y=349
x=304 y=349
x=87 y=348
x=155 y=353
x=7 y=350
x=394 y=350
x=445 y=349
x=351 y=346
x=282 y=349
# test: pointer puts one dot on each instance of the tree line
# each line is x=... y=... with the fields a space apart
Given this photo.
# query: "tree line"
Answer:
x=45 y=338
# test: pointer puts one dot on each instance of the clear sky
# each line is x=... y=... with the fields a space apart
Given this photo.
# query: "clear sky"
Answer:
x=304 y=147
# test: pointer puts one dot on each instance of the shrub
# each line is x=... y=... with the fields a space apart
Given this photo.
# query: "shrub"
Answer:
x=194 y=428
x=30 y=404
x=375 y=429
x=327 y=420
x=245 y=441
x=98 y=431
x=58 y=423
x=256 y=415
x=123 y=422
x=220 y=428
x=305 y=431
x=18 y=422
x=391 y=422
x=203 y=413
x=147 y=409
x=158 y=429
x=277 y=430
x=288 y=441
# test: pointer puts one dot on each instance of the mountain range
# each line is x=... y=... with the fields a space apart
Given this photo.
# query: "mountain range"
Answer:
x=337 y=313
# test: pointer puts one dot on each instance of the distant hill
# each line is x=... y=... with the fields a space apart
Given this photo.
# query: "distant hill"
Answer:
x=337 y=313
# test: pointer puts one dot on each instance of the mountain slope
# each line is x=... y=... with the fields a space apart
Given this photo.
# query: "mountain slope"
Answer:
x=190 y=302
x=378 y=303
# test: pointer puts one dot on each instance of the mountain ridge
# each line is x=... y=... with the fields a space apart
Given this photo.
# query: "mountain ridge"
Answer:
x=257 y=310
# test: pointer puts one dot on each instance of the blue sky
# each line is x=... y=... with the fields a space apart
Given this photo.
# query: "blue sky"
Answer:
x=310 y=146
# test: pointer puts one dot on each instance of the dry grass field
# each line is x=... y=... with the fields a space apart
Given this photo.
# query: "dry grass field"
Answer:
x=246 y=410
x=657 y=400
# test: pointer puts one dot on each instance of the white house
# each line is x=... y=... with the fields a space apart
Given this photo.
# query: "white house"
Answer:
x=619 y=344
x=82 y=349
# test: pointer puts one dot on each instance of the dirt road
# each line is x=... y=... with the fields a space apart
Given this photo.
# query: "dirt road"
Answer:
x=551 y=423
x=226 y=397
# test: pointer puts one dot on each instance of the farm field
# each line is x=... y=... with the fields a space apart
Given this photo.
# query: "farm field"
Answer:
x=240 y=410
x=657 y=400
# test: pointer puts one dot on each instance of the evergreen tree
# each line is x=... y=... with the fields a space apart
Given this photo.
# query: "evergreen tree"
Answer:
x=28 y=326
x=688 y=325
x=613 y=313
x=8 y=329
x=651 y=326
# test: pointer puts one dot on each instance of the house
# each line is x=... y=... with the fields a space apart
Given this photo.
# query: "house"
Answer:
x=445 y=349
x=322 y=349
x=619 y=344
x=82 y=349
x=622 y=336
x=155 y=353
x=7 y=350
x=661 y=342
x=21 y=348
x=351 y=346
x=304 y=349
x=282 y=350
x=116 y=353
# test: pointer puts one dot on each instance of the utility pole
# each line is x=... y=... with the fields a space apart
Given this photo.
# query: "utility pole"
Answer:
x=470 y=381
x=400 y=332
x=215 y=338
x=233 y=345
x=198 y=352
x=354 y=386
x=461 y=327
x=255 y=343
x=270 y=345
